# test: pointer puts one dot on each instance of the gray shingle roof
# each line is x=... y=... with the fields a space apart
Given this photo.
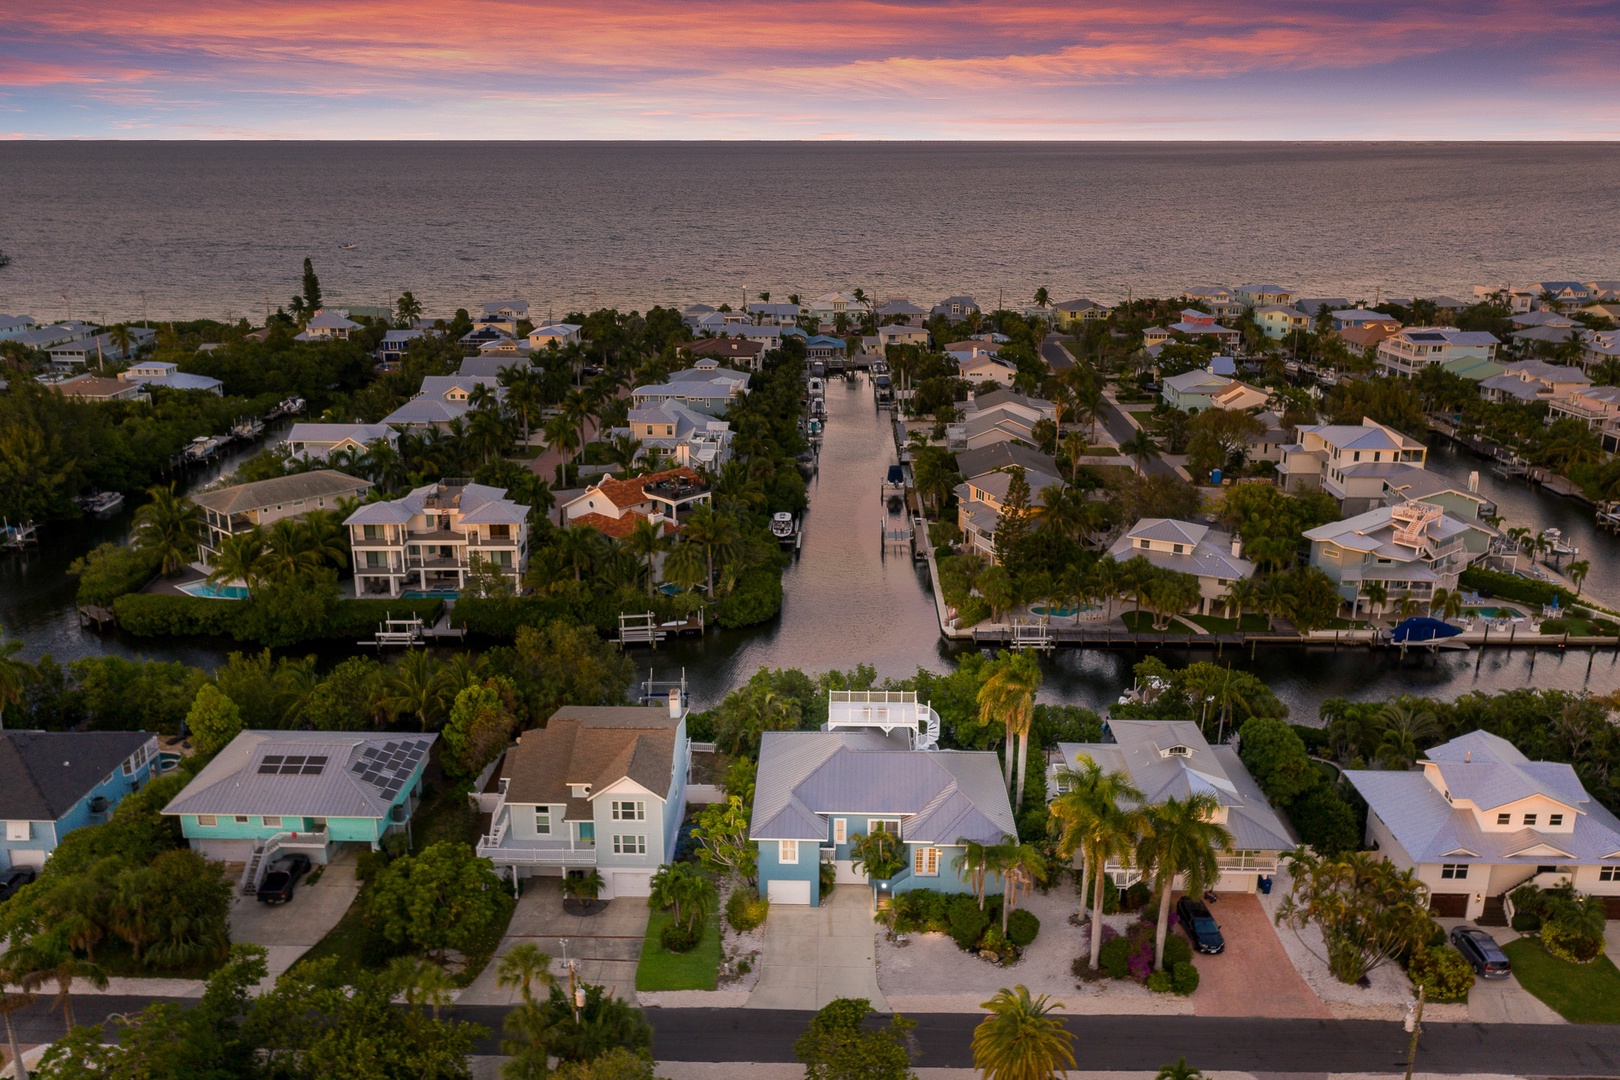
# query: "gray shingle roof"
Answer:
x=44 y=773
x=338 y=774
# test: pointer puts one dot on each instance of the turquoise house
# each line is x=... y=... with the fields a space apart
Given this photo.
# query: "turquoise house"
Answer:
x=52 y=782
x=270 y=792
x=876 y=768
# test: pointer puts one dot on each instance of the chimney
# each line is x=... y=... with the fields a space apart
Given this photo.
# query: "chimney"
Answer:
x=1468 y=756
x=675 y=709
x=1237 y=546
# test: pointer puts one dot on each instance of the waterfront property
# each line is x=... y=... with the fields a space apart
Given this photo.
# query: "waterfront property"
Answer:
x=739 y=352
x=692 y=439
x=1348 y=461
x=1171 y=759
x=441 y=399
x=825 y=347
x=301 y=791
x=244 y=507
x=613 y=506
x=1277 y=321
x=503 y=315
x=704 y=387
x=163 y=373
x=328 y=326
x=1073 y=313
x=1215 y=558
x=979 y=501
x=1219 y=300
x=556 y=334
x=900 y=334
x=1594 y=406
x=874 y=768
x=898 y=310
x=1476 y=818
x=955 y=309
x=99 y=349
x=997 y=417
x=1194 y=323
x=1533 y=380
x=1410 y=549
x=1411 y=350
x=980 y=362
x=1348 y=318
x=1255 y=296
x=432 y=538
x=598 y=788
x=316 y=442
x=52 y=782
x=98 y=388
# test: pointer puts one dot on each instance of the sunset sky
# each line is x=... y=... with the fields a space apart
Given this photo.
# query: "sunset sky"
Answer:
x=858 y=69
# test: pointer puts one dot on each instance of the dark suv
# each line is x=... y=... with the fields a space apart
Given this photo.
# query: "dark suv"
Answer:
x=1482 y=952
x=14 y=879
x=278 y=884
x=1200 y=926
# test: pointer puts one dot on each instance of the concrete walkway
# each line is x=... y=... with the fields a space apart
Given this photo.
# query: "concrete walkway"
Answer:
x=606 y=947
x=813 y=955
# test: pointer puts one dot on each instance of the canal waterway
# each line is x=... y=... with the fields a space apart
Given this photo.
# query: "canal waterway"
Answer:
x=847 y=602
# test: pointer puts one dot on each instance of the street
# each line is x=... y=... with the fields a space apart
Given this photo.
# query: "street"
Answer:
x=1112 y=417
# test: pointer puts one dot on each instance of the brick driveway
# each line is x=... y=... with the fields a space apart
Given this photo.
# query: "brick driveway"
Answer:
x=1254 y=976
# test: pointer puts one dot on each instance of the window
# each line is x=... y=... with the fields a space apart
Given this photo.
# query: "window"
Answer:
x=787 y=852
x=1453 y=871
x=888 y=825
x=1529 y=819
x=1609 y=873
x=840 y=830
x=1504 y=819
x=1554 y=820
x=271 y=821
x=207 y=821
x=925 y=863
x=1179 y=549
x=629 y=811
x=634 y=844
x=241 y=819
x=137 y=759
x=542 y=820
x=18 y=830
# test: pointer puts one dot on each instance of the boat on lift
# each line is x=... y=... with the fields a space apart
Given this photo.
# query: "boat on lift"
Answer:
x=784 y=527
x=100 y=502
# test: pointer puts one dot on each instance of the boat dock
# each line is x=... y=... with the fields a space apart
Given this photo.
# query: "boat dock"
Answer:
x=644 y=628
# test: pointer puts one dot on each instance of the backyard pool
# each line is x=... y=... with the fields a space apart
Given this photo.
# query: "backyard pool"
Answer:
x=1055 y=612
x=214 y=592
x=430 y=594
x=1496 y=612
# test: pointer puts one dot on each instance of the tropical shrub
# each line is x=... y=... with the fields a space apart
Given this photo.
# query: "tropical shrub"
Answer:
x=1183 y=977
x=756 y=599
x=1161 y=982
x=1528 y=906
x=1177 y=950
x=1135 y=898
x=1443 y=973
x=1022 y=927
x=1570 y=943
x=1115 y=957
x=967 y=921
x=681 y=937
x=746 y=909
x=922 y=911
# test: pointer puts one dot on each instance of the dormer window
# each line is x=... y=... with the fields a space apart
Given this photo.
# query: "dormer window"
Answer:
x=1554 y=820
x=579 y=791
x=1176 y=751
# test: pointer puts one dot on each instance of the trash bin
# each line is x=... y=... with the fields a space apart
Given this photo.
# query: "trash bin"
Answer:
x=1265 y=885
x=1215 y=478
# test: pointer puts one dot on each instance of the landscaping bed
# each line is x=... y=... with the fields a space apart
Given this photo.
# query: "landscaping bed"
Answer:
x=1580 y=993
x=660 y=969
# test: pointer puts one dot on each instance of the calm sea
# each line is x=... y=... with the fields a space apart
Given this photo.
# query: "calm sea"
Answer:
x=214 y=229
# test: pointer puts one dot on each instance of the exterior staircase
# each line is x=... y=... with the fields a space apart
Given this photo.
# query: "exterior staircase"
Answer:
x=1494 y=914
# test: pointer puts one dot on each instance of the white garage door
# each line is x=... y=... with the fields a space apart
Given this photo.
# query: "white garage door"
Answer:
x=628 y=884
x=36 y=859
x=788 y=892
x=847 y=874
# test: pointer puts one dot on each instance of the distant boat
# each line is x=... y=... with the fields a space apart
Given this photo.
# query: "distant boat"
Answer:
x=783 y=527
x=5 y=260
x=348 y=247
x=1422 y=631
x=100 y=502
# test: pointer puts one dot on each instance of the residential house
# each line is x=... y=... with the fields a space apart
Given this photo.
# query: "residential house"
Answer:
x=1595 y=406
x=1531 y=381
x=1171 y=759
x=1349 y=318
x=721 y=322
x=1368 y=336
x=259 y=504
x=769 y=336
x=825 y=347
x=1514 y=298
x=765 y=313
x=999 y=416
x=503 y=315
x=441 y=399
x=558 y=334
x=827 y=307
x=44 y=337
x=1268 y=445
x=954 y=309
x=598 y=788
x=737 y=352
x=1313 y=306
x=980 y=500
x=98 y=388
x=1215 y=558
x=978 y=363
x=902 y=334
x=704 y=387
x=994 y=456
x=504 y=346
x=873 y=768
x=692 y=439
x=1416 y=347
x=1548 y=337
x=1277 y=321
x=899 y=310
x=11 y=325
x=493 y=365
x=100 y=349
x=1560 y=294
x=150 y=373
x=1473 y=368
x=1220 y=301
x=52 y=782
x=613 y=507
x=1258 y=296
x=691 y=314
x=1193 y=391
x=1542 y=317
x=1411 y=549
x=432 y=538
x=328 y=326
x=1460 y=501
x=1348 y=461
x=1196 y=323
x=395 y=344
x=1074 y=313
x=316 y=442
x=1598 y=346
x=474 y=340
x=278 y=792
x=1476 y=819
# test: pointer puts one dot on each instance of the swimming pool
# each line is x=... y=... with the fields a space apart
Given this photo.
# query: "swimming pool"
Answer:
x=1498 y=612
x=430 y=594
x=214 y=592
x=1056 y=612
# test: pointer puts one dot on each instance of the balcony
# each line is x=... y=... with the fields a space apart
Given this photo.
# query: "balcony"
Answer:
x=502 y=849
x=436 y=536
x=1258 y=862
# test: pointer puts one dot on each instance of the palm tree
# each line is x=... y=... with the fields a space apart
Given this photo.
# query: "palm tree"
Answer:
x=422 y=982
x=522 y=966
x=1021 y=868
x=241 y=557
x=1042 y=296
x=717 y=534
x=1377 y=595
x=1577 y=573
x=645 y=541
x=1446 y=604
x=1240 y=594
x=974 y=863
x=684 y=566
x=1180 y=1070
x=563 y=436
x=287 y=555
x=45 y=960
x=681 y=885
x=1179 y=839
x=1074 y=448
x=1139 y=447
x=1009 y=696
x=1092 y=814
x=15 y=675
x=407 y=309
x=1274 y=594
x=1021 y=1039
x=415 y=686
x=1406 y=727
x=583 y=885
x=169 y=527
x=10 y=1002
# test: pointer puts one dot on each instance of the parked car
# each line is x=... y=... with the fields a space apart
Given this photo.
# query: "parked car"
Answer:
x=1200 y=925
x=14 y=879
x=282 y=877
x=1482 y=952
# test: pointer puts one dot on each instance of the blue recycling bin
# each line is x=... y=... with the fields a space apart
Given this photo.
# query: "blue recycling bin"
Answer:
x=1265 y=885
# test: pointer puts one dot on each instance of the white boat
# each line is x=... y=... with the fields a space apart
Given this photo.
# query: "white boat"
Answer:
x=100 y=502
x=783 y=527
x=248 y=428
x=818 y=387
x=1557 y=545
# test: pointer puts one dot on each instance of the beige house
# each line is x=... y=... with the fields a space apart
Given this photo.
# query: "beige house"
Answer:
x=430 y=540
x=262 y=503
x=1214 y=558
x=1348 y=461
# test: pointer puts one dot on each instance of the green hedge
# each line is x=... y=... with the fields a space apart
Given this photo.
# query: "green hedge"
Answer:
x=500 y=617
x=1511 y=587
x=164 y=615
x=756 y=599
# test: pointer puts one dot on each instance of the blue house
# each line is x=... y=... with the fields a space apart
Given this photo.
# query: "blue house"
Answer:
x=825 y=347
x=876 y=767
x=52 y=782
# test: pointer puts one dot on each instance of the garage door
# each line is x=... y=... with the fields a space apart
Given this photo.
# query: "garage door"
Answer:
x=631 y=884
x=847 y=874
x=1612 y=903
x=788 y=892
x=1449 y=905
x=36 y=858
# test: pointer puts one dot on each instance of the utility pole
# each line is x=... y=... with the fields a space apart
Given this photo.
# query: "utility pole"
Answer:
x=1414 y=1024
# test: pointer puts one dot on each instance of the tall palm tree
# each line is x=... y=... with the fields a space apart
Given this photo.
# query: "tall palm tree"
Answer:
x=562 y=436
x=1008 y=695
x=1407 y=727
x=1021 y=1039
x=415 y=686
x=13 y=1001
x=47 y=959
x=1240 y=594
x=684 y=565
x=287 y=555
x=974 y=863
x=241 y=557
x=15 y=675
x=523 y=965
x=169 y=527
x=1097 y=817
x=645 y=541
x=1021 y=867
x=1274 y=595
x=1139 y=447
x=1377 y=594
x=525 y=394
x=716 y=533
x=1179 y=839
x=1074 y=448
x=1577 y=573
x=422 y=982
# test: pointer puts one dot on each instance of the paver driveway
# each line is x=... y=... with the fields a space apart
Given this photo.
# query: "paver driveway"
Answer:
x=813 y=955
x=1254 y=976
x=605 y=946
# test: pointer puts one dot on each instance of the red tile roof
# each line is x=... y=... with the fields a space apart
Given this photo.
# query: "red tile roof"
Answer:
x=628 y=493
x=618 y=528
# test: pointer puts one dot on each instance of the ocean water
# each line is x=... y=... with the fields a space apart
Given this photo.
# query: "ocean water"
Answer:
x=217 y=229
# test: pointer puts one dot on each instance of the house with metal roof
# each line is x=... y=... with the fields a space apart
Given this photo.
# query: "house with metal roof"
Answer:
x=980 y=499
x=396 y=343
x=1348 y=461
x=431 y=539
x=242 y=508
x=1277 y=321
x=1315 y=305
x=1194 y=391
x=1220 y=300
x=767 y=313
x=901 y=334
x=270 y=792
x=558 y=334
x=1416 y=347
x=704 y=387
x=100 y=349
x=598 y=788
x=328 y=326
x=443 y=398
x=1194 y=323
x=1215 y=558
x=1073 y=313
x=1461 y=501
x=1410 y=549
x=503 y=314
x=167 y=374
x=1475 y=819
x=1533 y=380
x=1594 y=406
x=875 y=767
x=1256 y=296
x=316 y=442
x=689 y=438
x=898 y=309
x=1168 y=759
x=12 y=325
x=955 y=308
x=52 y=782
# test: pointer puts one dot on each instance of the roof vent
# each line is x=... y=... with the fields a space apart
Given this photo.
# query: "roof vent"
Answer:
x=1468 y=755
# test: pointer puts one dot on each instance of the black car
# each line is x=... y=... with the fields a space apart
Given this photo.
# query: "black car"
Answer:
x=1200 y=926
x=282 y=877
x=1482 y=952
x=14 y=879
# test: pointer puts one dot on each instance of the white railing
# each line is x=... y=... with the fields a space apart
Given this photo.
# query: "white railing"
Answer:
x=1262 y=862
x=510 y=855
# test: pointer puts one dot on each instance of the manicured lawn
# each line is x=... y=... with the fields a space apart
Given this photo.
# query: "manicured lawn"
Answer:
x=1346 y=624
x=1141 y=622
x=1249 y=624
x=1580 y=993
x=696 y=970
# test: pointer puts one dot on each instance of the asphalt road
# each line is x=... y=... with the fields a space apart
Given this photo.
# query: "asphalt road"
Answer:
x=1113 y=417
x=1103 y=1043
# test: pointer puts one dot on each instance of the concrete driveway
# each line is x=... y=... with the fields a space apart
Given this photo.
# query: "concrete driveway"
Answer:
x=288 y=930
x=606 y=946
x=1504 y=1001
x=1254 y=976
x=813 y=955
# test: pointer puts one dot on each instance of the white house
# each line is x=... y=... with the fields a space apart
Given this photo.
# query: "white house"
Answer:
x=150 y=373
x=1277 y=321
x=560 y=334
x=1348 y=461
x=1219 y=299
x=704 y=387
x=1595 y=406
x=442 y=399
x=432 y=538
x=1410 y=549
x=690 y=438
x=242 y=508
x=613 y=507
x=316 y=441
x=829 y=306
x=1476 y=819
x=503 y=314
x=1417 y=347
x=1256 y=296
x=328 y=326
x=1215 y=558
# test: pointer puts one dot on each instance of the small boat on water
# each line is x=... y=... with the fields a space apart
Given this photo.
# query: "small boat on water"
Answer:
x=1557 y=545
x=348 y=247
x=100 y=502
x=817 y=387
x=248 y=428
x=783 y=527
